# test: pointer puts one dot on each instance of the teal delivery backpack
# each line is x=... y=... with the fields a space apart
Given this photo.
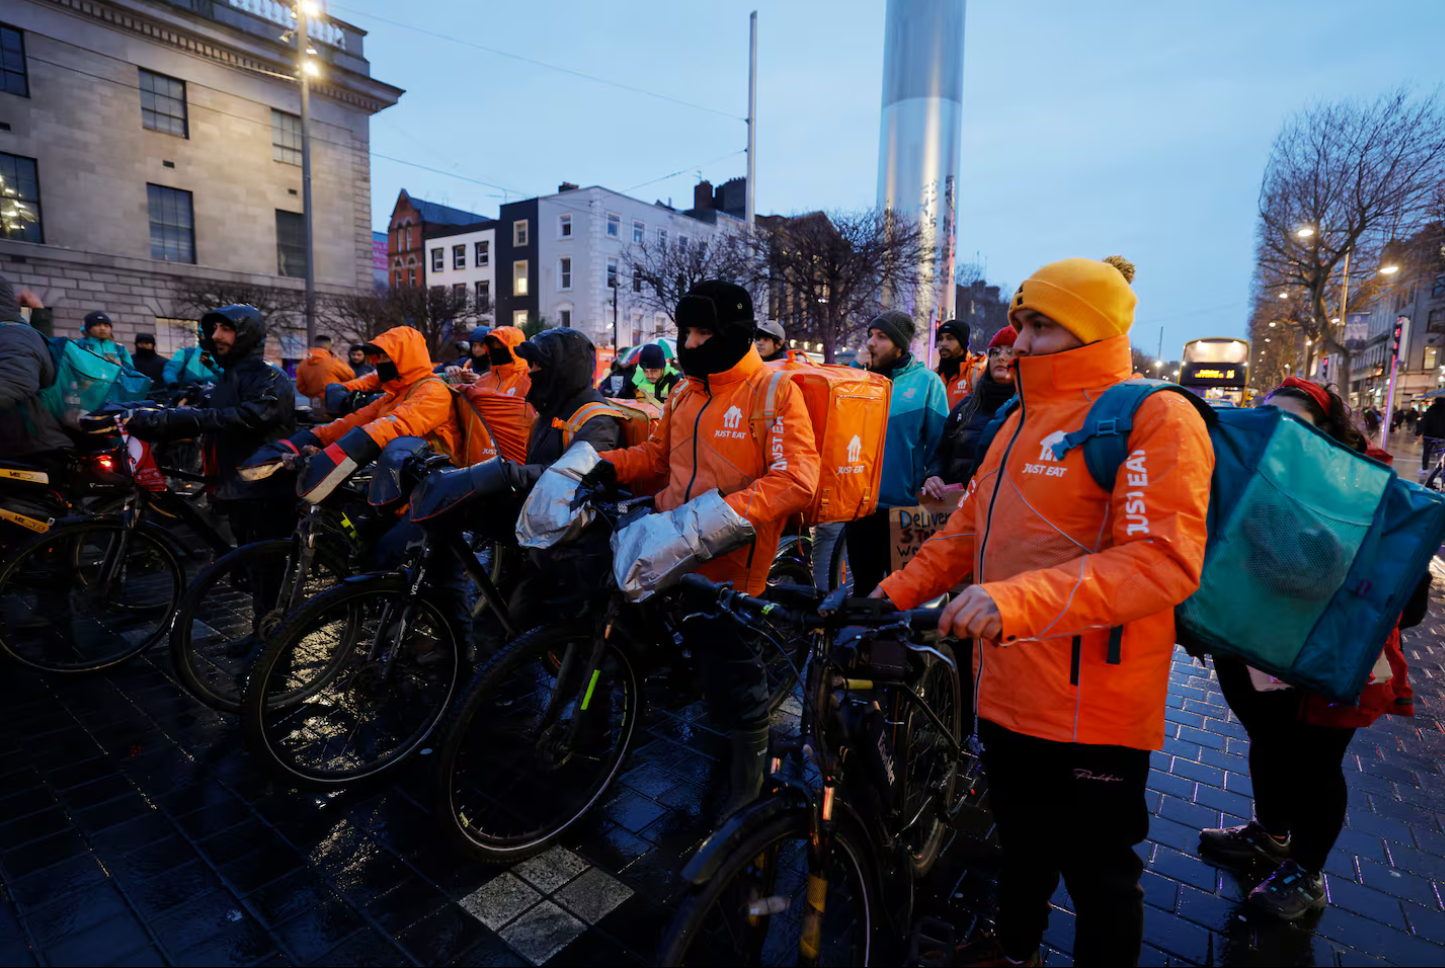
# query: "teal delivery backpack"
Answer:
x=1313 y=549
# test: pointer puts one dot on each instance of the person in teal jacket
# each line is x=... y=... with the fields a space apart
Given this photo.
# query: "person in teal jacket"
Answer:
x=99 y=339
x=916 y=414
x=192 y=365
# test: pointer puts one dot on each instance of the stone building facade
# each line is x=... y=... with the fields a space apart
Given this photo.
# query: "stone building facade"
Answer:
x=161 y=138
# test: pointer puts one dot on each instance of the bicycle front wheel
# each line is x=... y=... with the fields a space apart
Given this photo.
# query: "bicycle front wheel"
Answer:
x=88 y=595
x=752 y=911
x=351 y=684
x=535 y=744
x=231 y=609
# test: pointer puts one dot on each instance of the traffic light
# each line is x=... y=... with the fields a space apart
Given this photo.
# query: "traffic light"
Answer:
x=1395 y=340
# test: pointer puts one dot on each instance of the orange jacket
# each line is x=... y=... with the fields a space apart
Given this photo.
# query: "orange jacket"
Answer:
x=418 y=404
x=318 y=369
x=1065 y=562
x=366 y=383
x=708 y=438
x=962 y=384
x=510 y=379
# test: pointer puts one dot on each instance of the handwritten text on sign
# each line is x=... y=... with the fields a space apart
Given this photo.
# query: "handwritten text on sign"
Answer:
x=908 y=528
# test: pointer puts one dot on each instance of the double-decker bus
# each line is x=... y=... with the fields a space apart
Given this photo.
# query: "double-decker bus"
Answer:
x=1216 y=368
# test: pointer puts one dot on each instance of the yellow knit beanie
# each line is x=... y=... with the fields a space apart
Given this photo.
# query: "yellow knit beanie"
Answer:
x=1090 y=298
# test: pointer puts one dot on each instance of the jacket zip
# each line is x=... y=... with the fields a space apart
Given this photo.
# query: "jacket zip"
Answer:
x=687 y=494
x=987 y=530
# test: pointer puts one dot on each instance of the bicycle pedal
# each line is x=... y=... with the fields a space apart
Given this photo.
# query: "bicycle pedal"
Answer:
x=931 y=943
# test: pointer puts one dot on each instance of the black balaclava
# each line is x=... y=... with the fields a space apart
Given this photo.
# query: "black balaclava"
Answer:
x=566 y=359
x=146 y=337
x=727 y=310
x=497 y=353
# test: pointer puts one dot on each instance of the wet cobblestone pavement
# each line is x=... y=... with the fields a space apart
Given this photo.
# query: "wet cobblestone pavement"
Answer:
x=135 y=830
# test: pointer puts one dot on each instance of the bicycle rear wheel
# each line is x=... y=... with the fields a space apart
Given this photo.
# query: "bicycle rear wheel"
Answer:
x=88 y=595
x=341 y=693
x=751 y=911
x=233 y=606
x=931 y=768
x=512 y=772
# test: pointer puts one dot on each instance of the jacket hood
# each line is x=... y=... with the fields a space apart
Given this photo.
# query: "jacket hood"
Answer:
x=1100 y=364
x=567 y=360
x=317 y=355
x=511 y=337
x=407 y=348
x=250 y=327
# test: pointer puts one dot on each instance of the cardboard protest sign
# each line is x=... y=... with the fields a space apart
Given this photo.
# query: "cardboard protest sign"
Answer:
x=908 y=528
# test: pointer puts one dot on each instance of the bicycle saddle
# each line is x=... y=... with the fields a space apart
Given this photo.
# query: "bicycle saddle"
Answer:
x=447 y=490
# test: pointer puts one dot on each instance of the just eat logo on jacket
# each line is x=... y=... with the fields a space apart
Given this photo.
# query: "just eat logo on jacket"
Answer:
x=1046 y=457
x=731 y=419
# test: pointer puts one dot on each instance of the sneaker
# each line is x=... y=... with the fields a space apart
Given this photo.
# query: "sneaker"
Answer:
x=1290 y=893
x=985 y=950
x=1244 y=844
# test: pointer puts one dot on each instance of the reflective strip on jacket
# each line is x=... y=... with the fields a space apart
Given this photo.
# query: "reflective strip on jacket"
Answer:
x=1065 y=562
x=707 y=438
x=407 y=410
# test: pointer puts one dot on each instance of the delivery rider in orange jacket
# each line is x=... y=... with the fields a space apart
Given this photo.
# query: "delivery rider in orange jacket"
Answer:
x=1073 y=606
x=708 y=438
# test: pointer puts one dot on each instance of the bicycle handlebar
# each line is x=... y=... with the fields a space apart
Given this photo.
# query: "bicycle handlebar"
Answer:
x=872 y=612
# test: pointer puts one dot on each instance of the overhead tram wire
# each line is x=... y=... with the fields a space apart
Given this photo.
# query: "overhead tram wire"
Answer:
x=538 y=63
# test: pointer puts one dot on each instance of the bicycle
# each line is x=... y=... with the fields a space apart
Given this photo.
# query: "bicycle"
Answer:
x=90 y=592
x=542 y=732
x=802 y=874
x=355 y=680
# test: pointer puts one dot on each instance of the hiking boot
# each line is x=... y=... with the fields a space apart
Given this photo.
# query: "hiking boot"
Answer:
x=1290 y=893
x=985 y=950
x=1244 y=844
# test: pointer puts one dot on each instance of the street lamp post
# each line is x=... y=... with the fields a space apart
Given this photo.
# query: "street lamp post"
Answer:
x=616 y=350
x=305 y=9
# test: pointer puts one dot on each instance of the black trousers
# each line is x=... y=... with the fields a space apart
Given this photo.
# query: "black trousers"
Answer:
x=264 y=519
x=733 y=678
x=1076 y=810
x=868 y=551
x=1296 y=768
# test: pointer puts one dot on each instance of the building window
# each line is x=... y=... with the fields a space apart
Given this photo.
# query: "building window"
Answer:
x=564 y=317
x=1439 y=288
x=614 y=225
x=662 y=237
x=20 y=199
x=396 y=281
x=1432 y=354
x=636 y=279
x=483 y=295
x=459 y=257
x=636 y=327
x=564 y=273
x=638 y=230
x=459 y=293
x=1434 y=323
x=519 y=277
x=682 y=242
x=290 y=244
x=285 y=137
x=483 y=254
x=411 y=278
x=13 y=79
x=611 y=273
x=173 y=227
x=564 y=226
x=519 y=318
x=163 y=103
x=519 y=232
x=438 y=260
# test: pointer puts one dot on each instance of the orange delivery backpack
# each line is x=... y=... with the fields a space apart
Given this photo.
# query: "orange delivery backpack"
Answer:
x=492 y=423
x=849 y=410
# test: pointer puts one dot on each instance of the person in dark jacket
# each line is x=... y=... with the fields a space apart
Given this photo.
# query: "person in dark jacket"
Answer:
x=27 y=430
x=1431 y=428
x=771 y=341
x=253 y=404
x=957 y=454
x=148 y=361
x=356 y=358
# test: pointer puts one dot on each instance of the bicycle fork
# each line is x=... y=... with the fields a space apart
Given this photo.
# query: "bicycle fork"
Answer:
x=820 y=855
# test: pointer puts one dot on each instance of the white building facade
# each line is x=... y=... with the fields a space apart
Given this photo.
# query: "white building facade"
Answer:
x=464 y=258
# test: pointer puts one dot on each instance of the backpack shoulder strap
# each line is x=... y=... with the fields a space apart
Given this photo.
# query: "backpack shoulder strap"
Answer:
x=1110 y=421
x=584 y=413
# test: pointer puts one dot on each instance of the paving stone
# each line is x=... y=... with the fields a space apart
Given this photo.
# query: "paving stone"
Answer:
x=550 y=870
x=593 y=896
x=500 y=900
x=542 y=932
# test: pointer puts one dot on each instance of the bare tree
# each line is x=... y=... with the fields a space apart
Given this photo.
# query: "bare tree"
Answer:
x=439 y=313
x=659 y=272
x=827 y=274
x=1346 y=178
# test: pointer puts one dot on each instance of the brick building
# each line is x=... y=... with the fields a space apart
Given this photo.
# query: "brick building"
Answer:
x=412 y=220
x=155 y=145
